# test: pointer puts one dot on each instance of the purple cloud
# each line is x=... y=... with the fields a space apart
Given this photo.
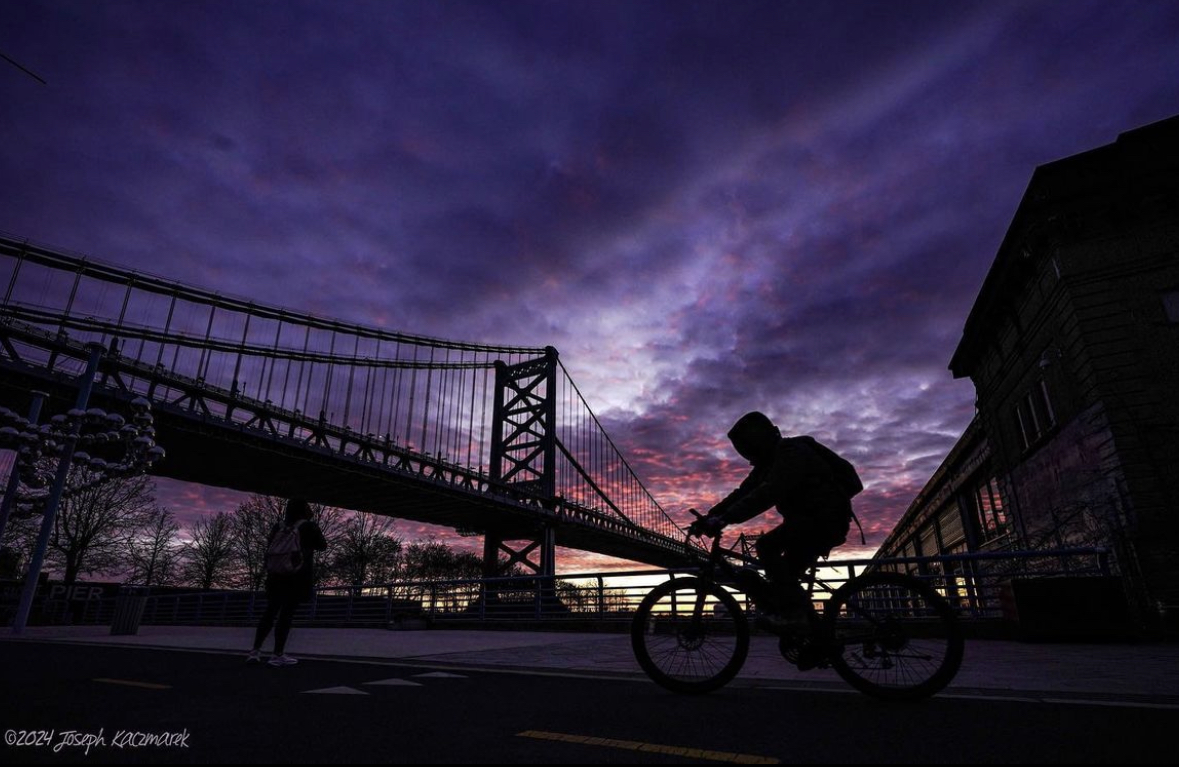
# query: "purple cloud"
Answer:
x=707 y=207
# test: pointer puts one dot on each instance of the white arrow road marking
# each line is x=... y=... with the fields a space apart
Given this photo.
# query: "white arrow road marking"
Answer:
x=395 y=683
x=341 y=690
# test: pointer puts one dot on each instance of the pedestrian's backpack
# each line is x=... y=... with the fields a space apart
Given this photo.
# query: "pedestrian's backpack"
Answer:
x=284 y=555
x=845 y=474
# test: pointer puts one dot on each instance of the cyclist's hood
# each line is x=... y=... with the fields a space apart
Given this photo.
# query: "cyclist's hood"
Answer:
x=755 y=437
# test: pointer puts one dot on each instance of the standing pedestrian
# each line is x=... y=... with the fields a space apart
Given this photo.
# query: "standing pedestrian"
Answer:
x=290 y=578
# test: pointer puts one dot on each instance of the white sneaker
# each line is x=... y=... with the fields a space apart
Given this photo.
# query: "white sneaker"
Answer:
x=282 y=660
x=255 y=656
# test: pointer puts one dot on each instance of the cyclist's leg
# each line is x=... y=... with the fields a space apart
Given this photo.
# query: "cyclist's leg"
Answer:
x=771 y=549
x=798 y=560
x=800 y=542
x=786 y=553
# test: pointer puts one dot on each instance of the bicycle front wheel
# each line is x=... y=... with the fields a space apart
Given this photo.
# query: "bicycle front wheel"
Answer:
x=690 y=635
x=894 y=636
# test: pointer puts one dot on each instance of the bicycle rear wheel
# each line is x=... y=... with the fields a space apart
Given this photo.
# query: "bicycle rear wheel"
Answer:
x=690 y=635
x=894 y=637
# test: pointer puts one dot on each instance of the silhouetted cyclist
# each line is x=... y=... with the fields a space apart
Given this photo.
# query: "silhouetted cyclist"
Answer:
x=811 y=487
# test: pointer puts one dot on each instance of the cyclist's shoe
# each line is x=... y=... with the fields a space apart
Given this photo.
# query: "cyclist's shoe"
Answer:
x=811 y=655
x=789 y=622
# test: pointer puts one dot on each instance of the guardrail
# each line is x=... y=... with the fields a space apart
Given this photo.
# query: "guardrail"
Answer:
x=977 y=585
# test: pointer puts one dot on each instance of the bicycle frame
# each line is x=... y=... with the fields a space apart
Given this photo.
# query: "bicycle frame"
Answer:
x=717 y=562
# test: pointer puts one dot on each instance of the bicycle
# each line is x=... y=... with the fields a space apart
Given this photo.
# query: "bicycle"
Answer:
x=888 y=635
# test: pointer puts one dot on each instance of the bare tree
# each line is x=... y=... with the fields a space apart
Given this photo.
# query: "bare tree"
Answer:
x=208 y=556
x=575 y=596
x=93 y=526
x=433 y=560
x=366 y=552
x=254 y=520
x=331 y=522
x=154 y=552
x=20 y=536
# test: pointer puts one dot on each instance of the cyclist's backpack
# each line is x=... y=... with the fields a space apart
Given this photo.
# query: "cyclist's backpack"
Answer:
x=845 y=474
x=284 y=555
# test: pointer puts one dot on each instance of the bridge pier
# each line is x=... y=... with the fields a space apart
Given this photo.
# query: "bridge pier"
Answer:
x=543 y=545
x=523 y=457
x=535 y=553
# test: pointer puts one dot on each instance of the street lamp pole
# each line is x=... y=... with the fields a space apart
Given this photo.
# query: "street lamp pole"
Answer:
x=9 y=502
x=85 y=384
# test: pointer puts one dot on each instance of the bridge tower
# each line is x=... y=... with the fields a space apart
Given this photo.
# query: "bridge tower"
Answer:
x=523 y=455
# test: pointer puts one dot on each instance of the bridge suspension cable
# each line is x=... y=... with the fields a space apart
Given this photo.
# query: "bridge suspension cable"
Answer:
x=330 y=382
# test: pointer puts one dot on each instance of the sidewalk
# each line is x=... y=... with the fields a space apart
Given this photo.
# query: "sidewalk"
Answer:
x=1101 y=672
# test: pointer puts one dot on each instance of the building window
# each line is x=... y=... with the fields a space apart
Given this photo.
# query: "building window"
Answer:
x=1034 y=415
x=908 y=552
x=951 y=527
x=992 y=517
x=960 y=588
x=928 y=541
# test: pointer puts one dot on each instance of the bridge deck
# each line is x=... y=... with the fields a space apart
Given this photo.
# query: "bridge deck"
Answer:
x=211 y=451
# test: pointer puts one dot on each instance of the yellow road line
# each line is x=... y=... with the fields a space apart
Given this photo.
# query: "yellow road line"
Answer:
x=634 y=745
x=133 y=683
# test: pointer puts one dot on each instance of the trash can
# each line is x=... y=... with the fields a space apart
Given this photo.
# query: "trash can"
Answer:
x=128 y=613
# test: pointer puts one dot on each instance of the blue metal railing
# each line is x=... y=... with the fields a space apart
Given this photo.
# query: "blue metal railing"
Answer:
x=977 y=585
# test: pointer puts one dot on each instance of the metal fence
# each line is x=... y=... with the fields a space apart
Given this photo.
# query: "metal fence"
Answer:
x=978 y=585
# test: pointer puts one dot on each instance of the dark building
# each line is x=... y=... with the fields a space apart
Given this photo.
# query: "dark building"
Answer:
x=1073 y=349
x=959 y=510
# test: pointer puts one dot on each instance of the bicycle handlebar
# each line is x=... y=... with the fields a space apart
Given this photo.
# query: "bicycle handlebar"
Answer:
x=714 y=549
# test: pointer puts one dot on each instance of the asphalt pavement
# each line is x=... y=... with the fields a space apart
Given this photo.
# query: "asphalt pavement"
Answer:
x=1141 y=673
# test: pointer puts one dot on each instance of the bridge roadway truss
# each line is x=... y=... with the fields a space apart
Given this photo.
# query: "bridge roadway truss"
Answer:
x=262 y=400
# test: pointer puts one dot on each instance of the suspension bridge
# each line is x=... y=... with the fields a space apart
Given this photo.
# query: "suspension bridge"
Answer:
x=488 y=440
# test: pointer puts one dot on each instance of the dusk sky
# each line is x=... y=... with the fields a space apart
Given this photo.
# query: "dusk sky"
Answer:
x=707 y=207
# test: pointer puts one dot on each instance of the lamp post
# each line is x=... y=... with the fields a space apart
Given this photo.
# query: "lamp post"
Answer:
x=14 y=434
x=63 y=435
